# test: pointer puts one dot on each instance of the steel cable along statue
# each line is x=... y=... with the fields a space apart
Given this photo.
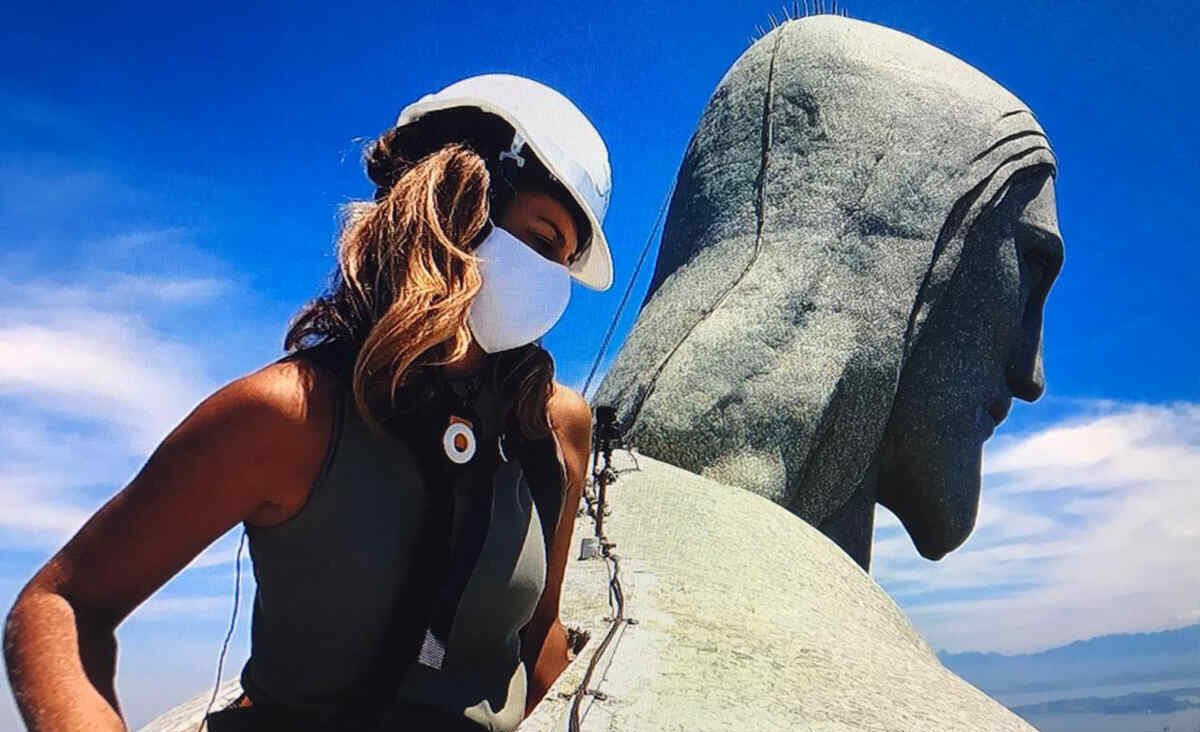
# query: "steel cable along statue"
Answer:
x=848 y=296
x=850 y=285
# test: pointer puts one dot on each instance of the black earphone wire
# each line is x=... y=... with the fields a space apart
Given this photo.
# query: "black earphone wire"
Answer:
x=237 y=592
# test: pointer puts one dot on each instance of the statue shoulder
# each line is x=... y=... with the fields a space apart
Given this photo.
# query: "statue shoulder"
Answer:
x=741 y=605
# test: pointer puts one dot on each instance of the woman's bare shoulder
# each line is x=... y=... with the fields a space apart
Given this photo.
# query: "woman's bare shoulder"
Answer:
x=284 y=408
x=296 y=402
x=570 y=415
x=568 y=403
x=293 y=389
x=247 y=452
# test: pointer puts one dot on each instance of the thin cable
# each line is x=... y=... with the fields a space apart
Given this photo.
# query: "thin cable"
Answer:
x=237 y=592
x=616 y=597
x=767 y=136
x=612 y=327
x=596 y=509
x=614 y=589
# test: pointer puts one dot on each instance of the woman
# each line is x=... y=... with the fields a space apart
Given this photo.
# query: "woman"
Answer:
x=408 y=474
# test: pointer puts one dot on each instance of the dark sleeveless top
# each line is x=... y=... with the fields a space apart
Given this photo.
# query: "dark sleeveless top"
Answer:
x=334 y=578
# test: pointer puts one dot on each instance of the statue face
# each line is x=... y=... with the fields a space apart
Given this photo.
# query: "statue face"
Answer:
x=980 y=347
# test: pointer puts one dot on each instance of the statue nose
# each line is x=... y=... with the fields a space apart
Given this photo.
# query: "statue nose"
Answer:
x=1026 y=375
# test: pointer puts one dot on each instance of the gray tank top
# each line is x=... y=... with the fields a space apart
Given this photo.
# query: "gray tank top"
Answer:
x=328 y=578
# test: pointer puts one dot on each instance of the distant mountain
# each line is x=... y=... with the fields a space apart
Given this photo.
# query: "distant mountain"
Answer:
x=1108 y=659
x=1156 y=702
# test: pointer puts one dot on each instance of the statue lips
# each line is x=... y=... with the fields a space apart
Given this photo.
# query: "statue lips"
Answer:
x=998 y=409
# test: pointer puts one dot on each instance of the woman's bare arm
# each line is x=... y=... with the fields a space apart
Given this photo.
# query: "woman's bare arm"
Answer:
x=249 y=450
x=544 y=636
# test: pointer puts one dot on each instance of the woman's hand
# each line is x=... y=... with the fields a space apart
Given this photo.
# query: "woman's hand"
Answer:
x=551 y=660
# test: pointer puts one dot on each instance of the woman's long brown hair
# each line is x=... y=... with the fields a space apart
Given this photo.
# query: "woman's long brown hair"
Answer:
x=398 y=300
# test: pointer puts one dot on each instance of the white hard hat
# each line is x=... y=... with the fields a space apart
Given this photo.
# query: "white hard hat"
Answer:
x=561 y=138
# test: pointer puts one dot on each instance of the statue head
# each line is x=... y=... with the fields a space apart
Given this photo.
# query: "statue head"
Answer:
x=850 y=285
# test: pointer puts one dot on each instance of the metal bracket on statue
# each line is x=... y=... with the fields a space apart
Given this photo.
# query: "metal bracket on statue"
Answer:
x=589 y=548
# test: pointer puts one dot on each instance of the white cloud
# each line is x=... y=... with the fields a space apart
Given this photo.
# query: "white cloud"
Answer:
x=101 y=366
x=93 y=394
x=91 y=383
x=26 y=514
x=113 y=326
x=1132 y=445
x=1095 y=520
x=173 y=608
x=115 y=289
x=222 y=552
x=38 y=195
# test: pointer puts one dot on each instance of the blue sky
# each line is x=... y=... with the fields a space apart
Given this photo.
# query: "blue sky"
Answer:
x=169 y=182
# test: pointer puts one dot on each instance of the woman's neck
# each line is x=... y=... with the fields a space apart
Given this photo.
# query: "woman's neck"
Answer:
x=471 y=363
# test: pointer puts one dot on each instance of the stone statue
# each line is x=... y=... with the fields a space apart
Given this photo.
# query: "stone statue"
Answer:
x=849 y=293
x=850 y=286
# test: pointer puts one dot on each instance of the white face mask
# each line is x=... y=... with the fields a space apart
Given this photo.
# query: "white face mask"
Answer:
x=523 y=294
